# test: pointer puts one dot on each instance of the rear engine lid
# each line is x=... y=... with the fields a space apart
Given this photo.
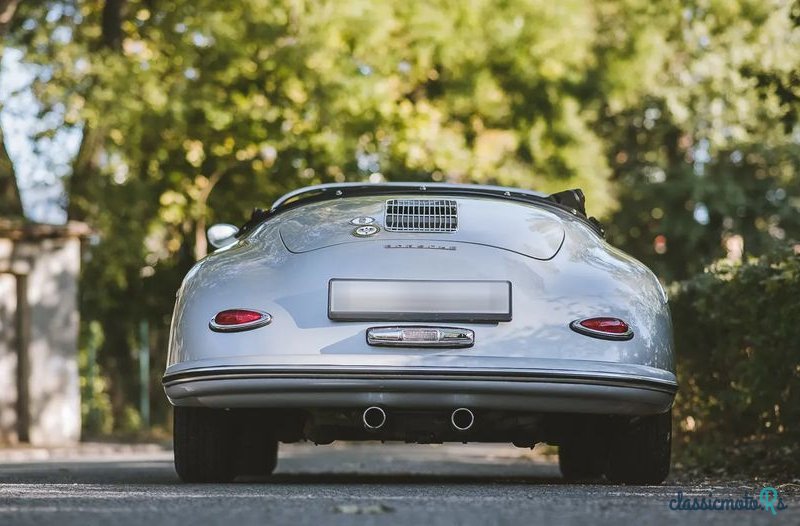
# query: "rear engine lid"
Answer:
x=523 y=228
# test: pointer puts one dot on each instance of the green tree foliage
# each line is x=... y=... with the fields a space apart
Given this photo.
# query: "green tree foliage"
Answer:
x=711 y=150
x=197 y=111
x=740 y=365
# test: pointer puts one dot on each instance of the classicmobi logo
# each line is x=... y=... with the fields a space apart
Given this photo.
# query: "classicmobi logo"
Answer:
x=768 y=500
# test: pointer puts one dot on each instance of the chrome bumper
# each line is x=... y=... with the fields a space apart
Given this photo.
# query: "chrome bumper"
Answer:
x=540 y=391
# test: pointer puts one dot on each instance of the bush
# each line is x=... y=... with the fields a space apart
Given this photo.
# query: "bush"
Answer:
x=737 y=335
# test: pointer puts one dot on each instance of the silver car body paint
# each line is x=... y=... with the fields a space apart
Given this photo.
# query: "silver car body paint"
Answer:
x=560 y=269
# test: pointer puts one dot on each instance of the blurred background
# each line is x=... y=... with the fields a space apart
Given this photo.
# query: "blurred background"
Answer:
x=130 y=126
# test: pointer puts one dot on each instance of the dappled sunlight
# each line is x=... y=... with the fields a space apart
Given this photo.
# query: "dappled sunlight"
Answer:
x=151 y=122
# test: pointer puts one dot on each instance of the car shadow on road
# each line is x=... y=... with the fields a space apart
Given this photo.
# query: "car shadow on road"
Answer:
x=388 y=479
x=162 y=473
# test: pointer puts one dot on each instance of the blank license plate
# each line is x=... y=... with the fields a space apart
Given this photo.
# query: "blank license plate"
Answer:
x=418 y=300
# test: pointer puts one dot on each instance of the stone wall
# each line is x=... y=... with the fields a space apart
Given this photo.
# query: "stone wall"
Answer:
x=51 y=263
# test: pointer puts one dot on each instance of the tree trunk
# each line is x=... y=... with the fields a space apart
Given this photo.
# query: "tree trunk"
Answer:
x=10 y=202
x=83 y=187
x=84 y=174
x=112 y=24
x=84 y=167
x=200 y=240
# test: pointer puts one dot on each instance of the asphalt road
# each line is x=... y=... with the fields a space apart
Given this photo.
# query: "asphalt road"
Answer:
x=364 y=484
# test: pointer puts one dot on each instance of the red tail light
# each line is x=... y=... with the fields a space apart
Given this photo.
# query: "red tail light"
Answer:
x=603 y=327
x=232 y=320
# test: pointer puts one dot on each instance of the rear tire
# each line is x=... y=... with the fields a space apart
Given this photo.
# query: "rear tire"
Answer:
x=257 y=449
x=203 y=440
x=580 y=460
x=639 y=450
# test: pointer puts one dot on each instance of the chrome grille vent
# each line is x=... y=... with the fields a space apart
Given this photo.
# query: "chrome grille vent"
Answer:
x=421 y=215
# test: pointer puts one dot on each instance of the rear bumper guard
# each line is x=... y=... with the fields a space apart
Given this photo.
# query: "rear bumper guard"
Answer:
x=311 y=389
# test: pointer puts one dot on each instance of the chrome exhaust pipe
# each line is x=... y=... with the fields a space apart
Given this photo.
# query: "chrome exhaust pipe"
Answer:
x=374 y=417
x=462 y=419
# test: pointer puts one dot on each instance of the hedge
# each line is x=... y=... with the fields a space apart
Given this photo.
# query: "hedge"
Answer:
x=737 y=335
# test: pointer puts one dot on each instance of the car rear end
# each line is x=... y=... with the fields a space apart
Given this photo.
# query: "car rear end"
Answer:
x=423 y=318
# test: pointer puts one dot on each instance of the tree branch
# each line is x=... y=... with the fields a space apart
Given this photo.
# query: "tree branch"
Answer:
x=7 y=10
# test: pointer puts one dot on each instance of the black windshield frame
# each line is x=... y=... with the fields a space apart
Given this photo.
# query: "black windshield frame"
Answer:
x=333 y=192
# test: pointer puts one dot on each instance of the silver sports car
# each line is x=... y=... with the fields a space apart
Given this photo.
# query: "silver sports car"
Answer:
x=421 y=313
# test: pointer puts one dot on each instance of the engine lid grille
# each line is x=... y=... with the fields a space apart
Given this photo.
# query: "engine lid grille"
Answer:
x=421 y=215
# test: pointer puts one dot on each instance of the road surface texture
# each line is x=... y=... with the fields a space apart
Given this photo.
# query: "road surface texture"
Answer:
x=355 y=484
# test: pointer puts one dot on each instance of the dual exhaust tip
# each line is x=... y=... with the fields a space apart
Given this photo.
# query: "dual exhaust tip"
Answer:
x=374 y=418
x=462 y=419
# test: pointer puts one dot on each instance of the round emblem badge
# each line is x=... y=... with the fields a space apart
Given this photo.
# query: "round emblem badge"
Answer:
x=365 y=231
